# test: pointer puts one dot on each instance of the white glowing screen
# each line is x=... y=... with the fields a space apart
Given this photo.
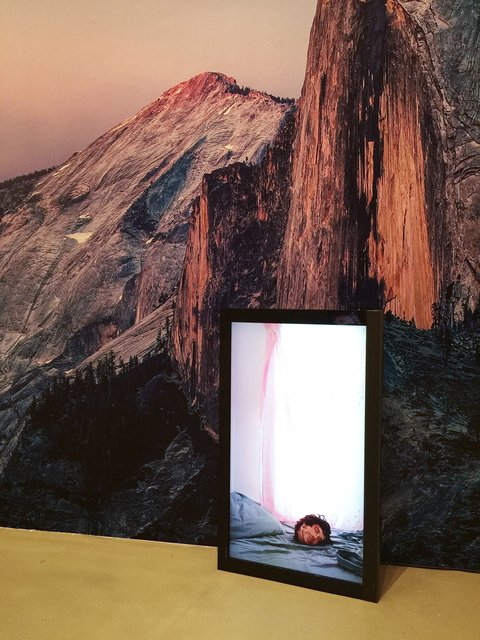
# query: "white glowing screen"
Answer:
x=298 y=419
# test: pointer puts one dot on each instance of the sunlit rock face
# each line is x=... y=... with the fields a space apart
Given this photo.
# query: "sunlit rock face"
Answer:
x=449 y=43
x=375 y=217
x=376 y=210
x=231 y=260
x=99 y=246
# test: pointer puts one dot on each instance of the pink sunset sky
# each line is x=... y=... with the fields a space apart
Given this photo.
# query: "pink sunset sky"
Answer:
x=70 y=70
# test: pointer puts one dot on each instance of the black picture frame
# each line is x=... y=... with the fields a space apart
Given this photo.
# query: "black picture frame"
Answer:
x=364 y=583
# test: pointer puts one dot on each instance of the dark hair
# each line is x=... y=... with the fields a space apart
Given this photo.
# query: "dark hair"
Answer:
x=310 y=520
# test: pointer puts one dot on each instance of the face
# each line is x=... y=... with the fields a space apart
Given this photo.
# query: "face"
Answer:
x=311 y=535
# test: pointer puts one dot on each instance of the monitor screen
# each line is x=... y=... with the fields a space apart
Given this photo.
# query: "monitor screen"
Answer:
x=295 y=418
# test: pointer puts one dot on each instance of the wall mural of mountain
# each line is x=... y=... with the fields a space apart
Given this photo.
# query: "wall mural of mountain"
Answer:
x=114 y=265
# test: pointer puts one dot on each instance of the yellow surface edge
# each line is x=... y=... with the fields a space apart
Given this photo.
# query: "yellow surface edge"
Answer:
x=68 y=586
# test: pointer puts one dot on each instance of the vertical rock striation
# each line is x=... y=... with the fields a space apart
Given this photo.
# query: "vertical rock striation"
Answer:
x=407 y=245
x=231 y=260
x=375 y=217
x=449 y=31
x=372 y=218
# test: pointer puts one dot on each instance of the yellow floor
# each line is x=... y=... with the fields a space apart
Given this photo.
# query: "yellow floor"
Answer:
x=61 y=586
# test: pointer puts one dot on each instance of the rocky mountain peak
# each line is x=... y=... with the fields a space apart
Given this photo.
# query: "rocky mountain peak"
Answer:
x=101 y=244
x=201 y=85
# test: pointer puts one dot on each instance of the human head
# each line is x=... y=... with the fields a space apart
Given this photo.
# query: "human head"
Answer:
x=312 y=530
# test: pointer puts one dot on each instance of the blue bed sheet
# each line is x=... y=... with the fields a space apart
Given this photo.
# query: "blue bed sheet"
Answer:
x=343 y=560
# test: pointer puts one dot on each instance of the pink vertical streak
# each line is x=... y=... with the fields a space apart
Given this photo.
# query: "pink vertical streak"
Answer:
x=267 y=497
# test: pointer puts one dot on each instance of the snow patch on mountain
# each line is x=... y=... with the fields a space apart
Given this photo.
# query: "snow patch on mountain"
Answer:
x=80 y=237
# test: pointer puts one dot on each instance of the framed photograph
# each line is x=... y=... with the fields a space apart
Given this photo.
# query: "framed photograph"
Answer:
x=300 y=395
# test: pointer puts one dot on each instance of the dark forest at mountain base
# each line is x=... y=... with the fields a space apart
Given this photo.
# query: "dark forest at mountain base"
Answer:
x=114 y=451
